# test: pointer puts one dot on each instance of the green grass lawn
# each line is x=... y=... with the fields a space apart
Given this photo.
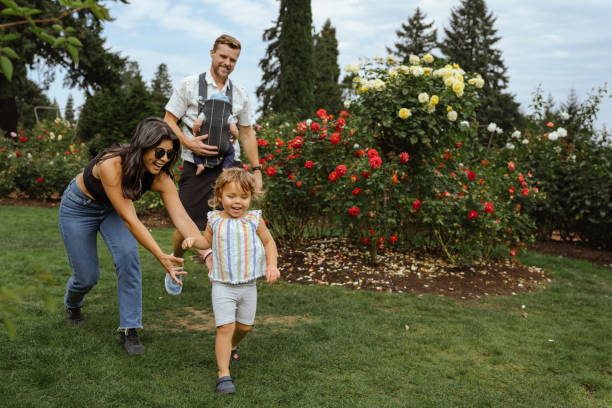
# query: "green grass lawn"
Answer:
x=313 y=346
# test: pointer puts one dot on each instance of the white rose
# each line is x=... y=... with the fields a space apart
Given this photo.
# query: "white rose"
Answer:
x=492 y=126
x=356 y=146
x=414 y=59
x=561 y=132
x=525 y=141
x=572 y=157
x=423 y=97
x=499 y=130
x=564 y=115
x=308 y=122
x=557 y=149
x=509 y=146
x=464 y=124
x=553 y=136
x=347 y=104
x=59 y=137
x=516 y=134
x=452 y=116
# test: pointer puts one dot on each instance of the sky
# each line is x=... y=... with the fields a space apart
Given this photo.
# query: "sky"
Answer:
x=556 y=44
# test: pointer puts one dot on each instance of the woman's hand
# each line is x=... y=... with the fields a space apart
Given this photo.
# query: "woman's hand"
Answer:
x=272 y=274
x=174 y=266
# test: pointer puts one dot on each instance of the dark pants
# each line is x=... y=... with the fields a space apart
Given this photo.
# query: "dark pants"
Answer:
x=195 y=191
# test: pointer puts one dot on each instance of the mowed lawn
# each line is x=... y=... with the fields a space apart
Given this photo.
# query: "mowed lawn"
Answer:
x=312 y=346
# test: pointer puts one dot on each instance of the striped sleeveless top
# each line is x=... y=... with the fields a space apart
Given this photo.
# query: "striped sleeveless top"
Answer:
x=237 y=252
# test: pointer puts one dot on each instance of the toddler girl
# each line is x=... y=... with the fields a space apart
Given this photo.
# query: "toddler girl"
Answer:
x=243 y=250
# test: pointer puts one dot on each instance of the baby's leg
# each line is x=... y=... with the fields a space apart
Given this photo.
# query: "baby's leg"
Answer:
x=199 y=169
x=233 y=131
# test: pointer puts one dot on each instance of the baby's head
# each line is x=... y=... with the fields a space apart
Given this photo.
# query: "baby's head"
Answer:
x=237 y=180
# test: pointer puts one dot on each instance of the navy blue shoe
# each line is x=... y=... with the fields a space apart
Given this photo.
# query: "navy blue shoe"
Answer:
x=225 y=385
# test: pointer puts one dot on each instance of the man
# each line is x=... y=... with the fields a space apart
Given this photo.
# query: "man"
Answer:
x=195 y=190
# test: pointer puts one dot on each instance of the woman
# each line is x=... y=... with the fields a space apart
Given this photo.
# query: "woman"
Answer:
x=101 y=199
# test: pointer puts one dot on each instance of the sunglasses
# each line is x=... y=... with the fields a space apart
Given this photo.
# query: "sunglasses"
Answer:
x=160 y=152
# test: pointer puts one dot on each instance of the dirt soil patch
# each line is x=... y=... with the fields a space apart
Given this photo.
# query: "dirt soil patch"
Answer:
x=336 y=262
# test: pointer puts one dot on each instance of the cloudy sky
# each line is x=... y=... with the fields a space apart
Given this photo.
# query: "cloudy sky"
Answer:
x=558 y=44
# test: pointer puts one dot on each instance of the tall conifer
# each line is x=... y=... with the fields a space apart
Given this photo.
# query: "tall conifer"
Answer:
x=417 y=37
x=327 y=93
x=268 y=91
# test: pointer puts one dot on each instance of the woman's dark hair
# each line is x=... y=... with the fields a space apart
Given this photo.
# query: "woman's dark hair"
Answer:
x=149 y=133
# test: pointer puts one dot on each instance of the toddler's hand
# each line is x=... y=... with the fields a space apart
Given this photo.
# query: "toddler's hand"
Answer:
x=189 y=242
x=272 y=274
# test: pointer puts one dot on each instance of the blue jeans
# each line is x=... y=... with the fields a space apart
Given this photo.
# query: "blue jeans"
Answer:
x=80 y=219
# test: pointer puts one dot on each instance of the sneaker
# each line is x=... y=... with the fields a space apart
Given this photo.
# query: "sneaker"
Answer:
x=225 y=385
x=129 y=341
x=74 y=315
x=172 y=287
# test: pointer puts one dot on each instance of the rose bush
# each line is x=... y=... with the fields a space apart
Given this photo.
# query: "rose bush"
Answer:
x=40 y=162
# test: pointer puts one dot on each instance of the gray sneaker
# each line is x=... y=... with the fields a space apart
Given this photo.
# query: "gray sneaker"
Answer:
x=130 y=342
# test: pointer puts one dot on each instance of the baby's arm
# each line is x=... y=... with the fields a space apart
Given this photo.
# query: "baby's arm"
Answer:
x=197 y=124
x=203 y=241
x=272 y=272
x=232 y=127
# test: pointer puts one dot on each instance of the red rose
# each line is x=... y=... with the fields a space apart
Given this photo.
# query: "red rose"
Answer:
x=472 y=214
x=341 y=122
x=262 y=142
x=271 y=171
x=512 y=252
x=279 y=143
x=296 y=143
x=453 y=175
x=366 y=241
x=471 y=175
x=322 y=113
x=416 y=205
x=333 y=176
x=45 y=131
x=308 y=164
x=371 y=232
x=291 y=176
x=67 y=153
x=366 y=174
x=18 y=154
x=484 y=162
x=354 y=178
x=23 y=139
x=39 y=137
x=511 y=166
x=344 y=114
x=359 y=153
x=511 y=190
x=39 y=180
x=356 y=191
x=488 y=207
x=372 y=153
x=314 y=126
x=299 y=184
x=375 y=162
x=404 y=157
x=393 y=239
x=458 y=145
x=353 y=211
x=180 y=167
x=335 y=138
x=341 y=170
x=525 y=192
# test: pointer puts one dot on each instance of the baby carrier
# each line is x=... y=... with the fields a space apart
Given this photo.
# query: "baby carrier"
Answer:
x=216 y=113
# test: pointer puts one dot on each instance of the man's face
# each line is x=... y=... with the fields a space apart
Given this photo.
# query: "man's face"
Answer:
x=223 y=60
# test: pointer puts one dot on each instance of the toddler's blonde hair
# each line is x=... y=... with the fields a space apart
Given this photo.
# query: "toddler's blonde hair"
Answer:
x=244 y=180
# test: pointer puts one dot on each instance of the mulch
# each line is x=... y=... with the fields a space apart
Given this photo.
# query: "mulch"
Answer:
x=337 y=262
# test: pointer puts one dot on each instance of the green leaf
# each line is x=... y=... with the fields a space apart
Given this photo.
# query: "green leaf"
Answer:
x=30 y=12
x=59 y=41
x=11 y=12
x=9 y=51
x=57 y=27
x=7 y=67
x=10 y=328
x=11 y=4
x=75 y=41
x=46 y=36
x=74 y=53
x=70 y=30
x=10 y=37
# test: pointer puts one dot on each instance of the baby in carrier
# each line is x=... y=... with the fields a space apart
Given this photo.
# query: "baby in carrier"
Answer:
x=217 y=121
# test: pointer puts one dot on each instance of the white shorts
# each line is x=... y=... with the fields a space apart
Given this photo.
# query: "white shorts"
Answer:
x=234 y=303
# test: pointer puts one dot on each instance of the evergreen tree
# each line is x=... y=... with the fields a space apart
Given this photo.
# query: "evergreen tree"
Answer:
x=327 y=94
x=69 y=109
x=268 y=91
x=161 y=89
x=58 y=111
x=414 y=37
x=296 y=59
x=470 y=42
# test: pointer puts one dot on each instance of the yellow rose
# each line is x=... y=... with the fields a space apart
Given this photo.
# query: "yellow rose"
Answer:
x=404 y=113
x=449 y=108
x=434 y=100
x=423 y=97
x=458 y=87
x=428 y=58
